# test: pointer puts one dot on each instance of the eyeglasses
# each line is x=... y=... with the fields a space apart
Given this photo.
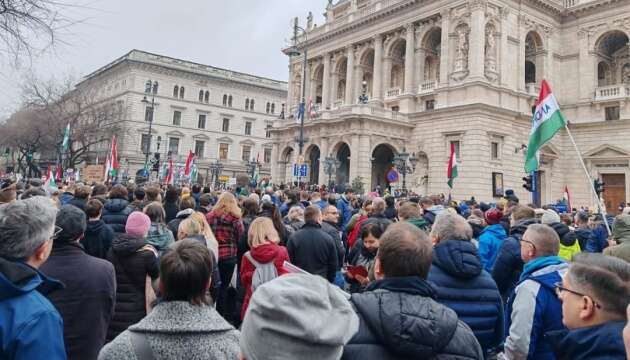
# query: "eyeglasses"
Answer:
x=559 y=289
x=529 y=242
x=58 y=231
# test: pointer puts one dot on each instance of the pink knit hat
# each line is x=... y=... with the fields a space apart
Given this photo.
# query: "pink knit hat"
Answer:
x=138 y=224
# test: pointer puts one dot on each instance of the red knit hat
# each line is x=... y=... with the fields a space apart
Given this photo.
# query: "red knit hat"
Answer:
x=493 y=216
x=138 y=224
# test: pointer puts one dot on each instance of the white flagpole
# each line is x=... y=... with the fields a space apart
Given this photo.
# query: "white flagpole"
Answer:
x=588 y=176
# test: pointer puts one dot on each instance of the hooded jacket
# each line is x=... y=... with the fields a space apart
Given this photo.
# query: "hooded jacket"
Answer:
x=431 y=213
x=263 y=254
x=97 y=238
x=583 y=234
x=569 y=244
x=30 y=326
x=160 y=237
x=420 y=223
x=602 y=342
x=598 y=240
x=621 y=234
x=115 y=214
x=345 y=211
x=461 y=284
x=133 y=260
x=173 y=225
x=490 y=242
x=400 y=320
x=179 y=330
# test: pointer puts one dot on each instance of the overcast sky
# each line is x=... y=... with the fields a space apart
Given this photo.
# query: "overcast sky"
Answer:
x=242 y=35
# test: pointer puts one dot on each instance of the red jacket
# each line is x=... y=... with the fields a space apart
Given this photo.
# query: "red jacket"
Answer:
x=355 y=233
x=263 y=254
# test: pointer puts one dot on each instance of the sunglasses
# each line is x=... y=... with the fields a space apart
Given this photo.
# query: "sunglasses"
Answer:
x=559 y=289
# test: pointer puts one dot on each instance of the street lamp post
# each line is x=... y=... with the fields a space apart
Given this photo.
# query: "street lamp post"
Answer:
x=363 y=98
x=294 y=51
x=331 y=165
x=405 y=164
x=150 y=88
x=251 y=169
x=215 y=169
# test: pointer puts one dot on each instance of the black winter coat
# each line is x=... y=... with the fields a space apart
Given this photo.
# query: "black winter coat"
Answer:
x=97 y=238
x=115 y=214
x=132 y=264
x=311 y=249
x=173 y=225
x=333 y=231
x=80 y=203
x=583 y=234
x=170 y=209
x=86 y=303
x=400 y=320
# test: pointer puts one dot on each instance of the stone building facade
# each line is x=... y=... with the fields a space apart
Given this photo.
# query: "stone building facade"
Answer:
x=468 y=71
x=218 y=114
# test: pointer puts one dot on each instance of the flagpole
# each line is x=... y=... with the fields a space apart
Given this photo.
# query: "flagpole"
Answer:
x=588 y=176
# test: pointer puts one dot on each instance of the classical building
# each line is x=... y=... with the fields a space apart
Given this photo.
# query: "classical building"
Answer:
x=219 y=114
x=437 y=72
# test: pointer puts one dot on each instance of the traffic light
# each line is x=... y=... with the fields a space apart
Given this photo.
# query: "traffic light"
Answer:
x=528 y=183
x=599 y=187
x=156 y=162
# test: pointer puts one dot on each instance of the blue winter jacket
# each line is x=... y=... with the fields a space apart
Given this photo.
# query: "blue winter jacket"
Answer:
x=534 y=309
x=462 y=285
x=602 y=342
x=345 y=211
x=598 y=240
x=490 y=242
x=30 y=326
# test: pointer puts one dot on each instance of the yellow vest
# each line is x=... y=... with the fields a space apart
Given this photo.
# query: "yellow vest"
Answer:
x=567 y=252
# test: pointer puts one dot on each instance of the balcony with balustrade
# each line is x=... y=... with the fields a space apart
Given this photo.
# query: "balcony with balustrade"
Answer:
x=532 y=89
x=612 y=92
x=392 y=93
x=427 y=87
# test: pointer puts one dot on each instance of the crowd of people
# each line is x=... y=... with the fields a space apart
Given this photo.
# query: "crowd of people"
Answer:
x=164 y=272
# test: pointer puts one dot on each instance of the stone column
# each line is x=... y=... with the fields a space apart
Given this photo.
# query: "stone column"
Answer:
x=444 y=49
x=275 y=171
x=290 y=89
x=326 y=82
x=387 y=74
x=410 y=52
x=365 y=165
x=477 y=39
x=586 y=68
x=505 y=63
x=420 y=67
x=355 y=157
x=377 y=76
x=350 y=76
x=323 y=154
x=307 y=83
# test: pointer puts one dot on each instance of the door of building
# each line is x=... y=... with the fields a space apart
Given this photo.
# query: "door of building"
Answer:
x=615 y=192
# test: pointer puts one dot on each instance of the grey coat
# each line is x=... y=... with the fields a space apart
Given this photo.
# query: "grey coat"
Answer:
x=179 y=330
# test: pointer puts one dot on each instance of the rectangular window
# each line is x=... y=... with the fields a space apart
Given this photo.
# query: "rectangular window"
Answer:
x=429 y=105
x=247 y=153
x=177 y=118
x=223 y=151
x=173 y=145
x=395 y=108
x=248 y=128
x=148 y=114
x=494 y=150
x=201 y=124
x=226 y=125
x=456 y=143
x=199 y=147
x=268 y=132
x=612 y=113
x=267 y=156
x=144 y=143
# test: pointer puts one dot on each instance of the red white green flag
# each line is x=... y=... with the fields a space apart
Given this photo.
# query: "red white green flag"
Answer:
x=546 y=122
x=113 y=158
x=50 y=179
x=189 y=161
x=452 y=166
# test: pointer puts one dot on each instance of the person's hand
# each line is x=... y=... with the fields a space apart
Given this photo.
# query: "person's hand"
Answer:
x=611 y=242
x=626 y=333
x=362 y=279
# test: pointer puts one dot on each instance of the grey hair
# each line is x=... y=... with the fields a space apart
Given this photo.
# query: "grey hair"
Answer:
x=296 y=213
x=379 y=205
x=545 y=238
x=25 y=225
x=450 y=226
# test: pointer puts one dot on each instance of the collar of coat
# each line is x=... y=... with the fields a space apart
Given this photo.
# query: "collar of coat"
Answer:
x=413 y=285
x=173 y=317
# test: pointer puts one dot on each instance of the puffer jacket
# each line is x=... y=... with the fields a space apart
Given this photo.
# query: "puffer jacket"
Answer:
x=509 y=265
x=400 y=320
x=461 y=284
x=583 y=234
x=490 y=242
x=173 y=225
x=160 y=237
x=569 y=244
x=115 y=214
x=97 y=238
x=133 y=260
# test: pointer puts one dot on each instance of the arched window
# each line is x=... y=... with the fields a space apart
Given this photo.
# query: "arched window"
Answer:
x=230 y=101
x=181 y=92
x=225 y=98
x=246 y=104
x=530 y=72
x=207 y=96
x=175 y=91
x=155 y=87
x=268 y=108
x=251 y=105
x=273 y=108
x=200 y=95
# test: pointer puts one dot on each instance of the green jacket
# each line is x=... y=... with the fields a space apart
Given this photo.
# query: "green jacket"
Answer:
x=420 y=223
x=160 y=237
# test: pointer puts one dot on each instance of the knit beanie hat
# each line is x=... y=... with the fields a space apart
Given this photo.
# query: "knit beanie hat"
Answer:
x=72 y=222
x=549 y=217
x=279 y=320
x=493 y=216
x=138 y=224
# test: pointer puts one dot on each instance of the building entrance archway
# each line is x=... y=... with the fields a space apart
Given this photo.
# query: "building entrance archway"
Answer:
x=313 y=155
x=343 y=171
x=382 y=162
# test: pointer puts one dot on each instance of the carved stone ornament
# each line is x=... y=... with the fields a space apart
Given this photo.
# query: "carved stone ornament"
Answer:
x=530 y=24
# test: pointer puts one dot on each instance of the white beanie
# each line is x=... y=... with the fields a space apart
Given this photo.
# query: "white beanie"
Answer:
x=550 y=217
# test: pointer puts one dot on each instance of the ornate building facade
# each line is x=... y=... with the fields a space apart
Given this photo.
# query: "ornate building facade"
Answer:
x=220 y=115
x=466 y=72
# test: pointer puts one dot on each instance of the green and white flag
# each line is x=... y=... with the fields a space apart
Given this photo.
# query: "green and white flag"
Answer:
x=452 y=166
x=546 y=122
x=66 y=138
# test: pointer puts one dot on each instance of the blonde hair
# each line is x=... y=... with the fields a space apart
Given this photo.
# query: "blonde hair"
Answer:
x=188 y=227
x=261 y=231
x=296 y=213
x=227 y=204
x=205 y=228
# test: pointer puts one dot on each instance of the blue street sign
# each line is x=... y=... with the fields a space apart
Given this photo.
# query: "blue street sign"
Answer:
x=303 y=170
x=300 y=170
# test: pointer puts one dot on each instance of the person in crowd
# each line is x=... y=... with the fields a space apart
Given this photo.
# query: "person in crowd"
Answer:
x=292 y=200
x=365 y=210
x=33 y=191
x=98 y=236
x=533 y=308
x=30 y=326
x=344 y=205
x=81 y=196
x=364 y=254
x=86 y=303
x=152 y=193
x=116 y=209
x=139 y=202
x=136 y=265
x=491 y=238
x=477 y=222
x=507 y=206
x=8 y=193
x=316 y=199
x=279 y=321
x=208 y=235
x=159 y=236
x=295 y=218
x=172 y=205
x=620 y=236
x=376 y=216
x=263 y=241
x=582 y=229
x=67 y=193
x=509 y=264
x=330 y=225
x=250 y=213
x=196 y=194
x=432 y=207
x=225 y=222
x=462 y=284
x=569 y=244
x=304 y=199
x=599 y=236
x=412 y=213
x=390 y=210
x=595 y=295
x=567 y=219
x=268 y=209
x=398 y=317
x=99 y=192
x=205 y=204
x=311 y=249
x=186 y=207
x=183 y=325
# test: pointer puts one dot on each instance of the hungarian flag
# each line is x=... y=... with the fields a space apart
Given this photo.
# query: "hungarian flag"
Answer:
x=50 y=180
x=59 y=173
x=66 y=138
x=189 y=161
x=567 y=196
x=169 y=176
x=452 y=166
x=108 y=166
x=113 y=158
x=546 y=122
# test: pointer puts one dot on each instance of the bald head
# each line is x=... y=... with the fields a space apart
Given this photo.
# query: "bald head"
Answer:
x=544 y=238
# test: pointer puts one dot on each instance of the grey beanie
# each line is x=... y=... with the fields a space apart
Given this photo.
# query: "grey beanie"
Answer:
x=72 y=221
x=550 y=217
x=297 y=316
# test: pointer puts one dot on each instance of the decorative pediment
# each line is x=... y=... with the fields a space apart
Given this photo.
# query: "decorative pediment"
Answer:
x=175 y=133
x=247 y=142
x=224 y=139
x=201 y=137
x=607 y=151
x=550 y=151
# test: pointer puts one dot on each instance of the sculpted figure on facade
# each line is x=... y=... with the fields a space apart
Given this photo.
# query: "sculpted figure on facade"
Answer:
x=490 y=53
x=460 y=70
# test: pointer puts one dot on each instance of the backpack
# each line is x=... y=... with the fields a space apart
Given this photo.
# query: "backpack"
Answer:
x=263 y=273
